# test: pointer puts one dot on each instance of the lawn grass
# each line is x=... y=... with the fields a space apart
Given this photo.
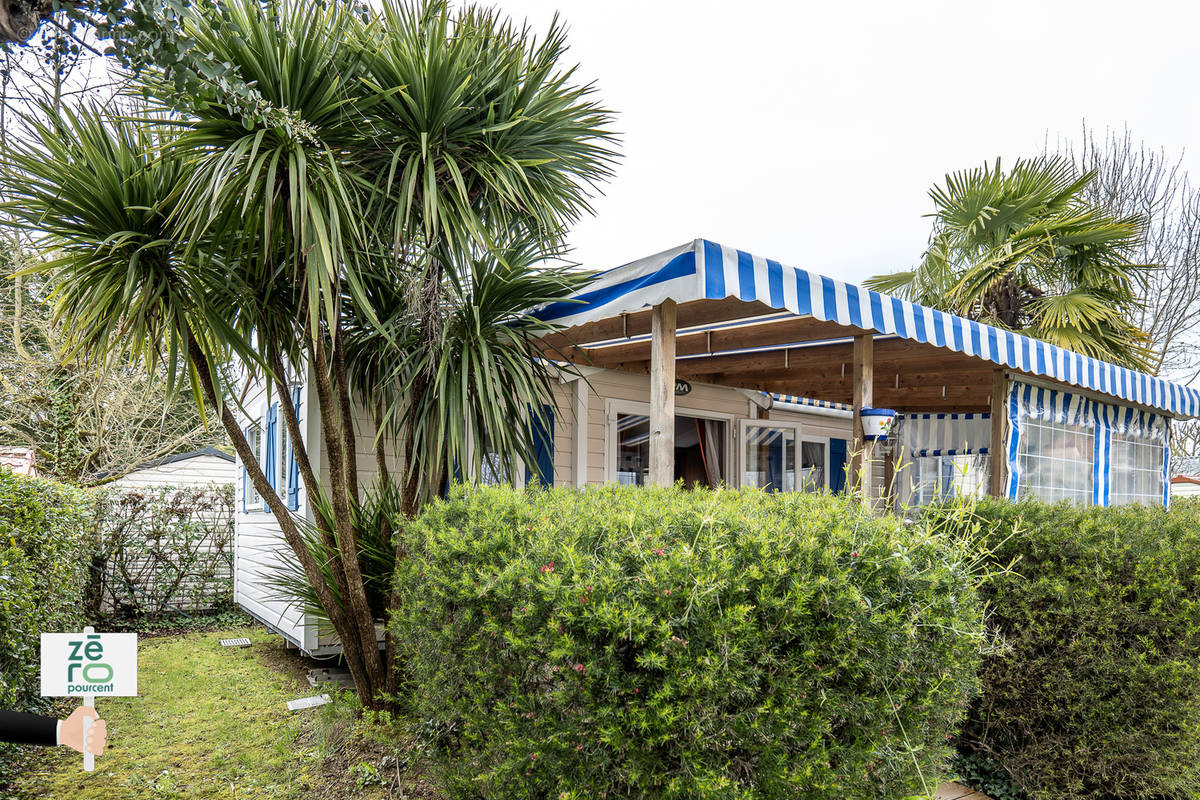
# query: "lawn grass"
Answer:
x=210 y=722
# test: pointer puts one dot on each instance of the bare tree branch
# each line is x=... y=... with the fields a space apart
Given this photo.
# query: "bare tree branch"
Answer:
x=1133 y=178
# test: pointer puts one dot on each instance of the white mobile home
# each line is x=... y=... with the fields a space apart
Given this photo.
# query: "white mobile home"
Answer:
x=714 y=366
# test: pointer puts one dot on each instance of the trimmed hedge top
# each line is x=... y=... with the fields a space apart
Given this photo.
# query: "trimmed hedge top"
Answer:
x=1097 y=691
x=629 y=642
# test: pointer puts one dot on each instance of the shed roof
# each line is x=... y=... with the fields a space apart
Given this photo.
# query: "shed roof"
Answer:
x=703 y=270
x=173 y=459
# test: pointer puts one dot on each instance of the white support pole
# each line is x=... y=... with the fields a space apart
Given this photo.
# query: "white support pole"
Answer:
x=662 y=394
x=89 y=760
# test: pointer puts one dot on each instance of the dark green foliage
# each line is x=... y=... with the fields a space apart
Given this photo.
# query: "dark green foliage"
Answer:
x=46 y=538
x=1097 y=693
x=983 y=774
x=627 y=642
x=46 y=533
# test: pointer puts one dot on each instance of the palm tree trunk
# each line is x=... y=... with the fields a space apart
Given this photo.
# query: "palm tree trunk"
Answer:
x=358 y=607
x=346 y=411
x=364 y=679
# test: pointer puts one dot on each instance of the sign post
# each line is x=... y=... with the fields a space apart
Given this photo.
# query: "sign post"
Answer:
x=88 y=665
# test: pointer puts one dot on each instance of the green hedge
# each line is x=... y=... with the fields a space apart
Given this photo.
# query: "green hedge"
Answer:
x=46 y=539
x=1096 y=692
x=659 y=643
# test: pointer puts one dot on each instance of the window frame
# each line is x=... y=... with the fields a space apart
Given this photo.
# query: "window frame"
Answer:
x=252 y=501
x=824 y=442
x=796 y=426
x=613 y=407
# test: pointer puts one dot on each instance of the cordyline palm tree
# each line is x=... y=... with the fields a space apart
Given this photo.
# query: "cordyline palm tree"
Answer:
x=398 y=149
x=1022 y=250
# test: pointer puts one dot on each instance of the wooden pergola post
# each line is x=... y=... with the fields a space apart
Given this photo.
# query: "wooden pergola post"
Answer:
x=997 y=483
x=862 y=461
x=662 y=394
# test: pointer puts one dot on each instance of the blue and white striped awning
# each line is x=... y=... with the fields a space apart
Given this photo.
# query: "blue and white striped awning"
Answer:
x=704 y=270
x=945 y=434
x=811 y=402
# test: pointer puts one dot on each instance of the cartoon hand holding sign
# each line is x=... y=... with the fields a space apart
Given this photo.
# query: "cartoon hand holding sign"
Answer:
x=88 y=665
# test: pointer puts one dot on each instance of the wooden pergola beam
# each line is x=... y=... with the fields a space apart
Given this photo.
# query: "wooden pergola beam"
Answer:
x=884 y=380
x=862 y=396
x=662 y=395
x=638 y=323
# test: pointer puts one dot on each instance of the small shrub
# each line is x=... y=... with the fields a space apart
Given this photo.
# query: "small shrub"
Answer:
x=658 y=643
x=1097 y=691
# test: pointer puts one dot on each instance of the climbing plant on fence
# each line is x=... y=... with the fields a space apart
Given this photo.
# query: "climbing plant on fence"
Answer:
x=162 y=548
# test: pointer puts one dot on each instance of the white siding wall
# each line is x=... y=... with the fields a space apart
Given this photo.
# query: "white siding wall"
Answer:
x=198 y=471
x=1185 y=489
x=195 y=471
x=259 y=546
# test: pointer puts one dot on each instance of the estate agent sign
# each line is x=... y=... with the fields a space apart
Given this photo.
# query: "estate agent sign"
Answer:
x=89 y=665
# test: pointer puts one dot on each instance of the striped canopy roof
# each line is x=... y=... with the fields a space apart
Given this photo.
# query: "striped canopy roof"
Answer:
x=704 y=270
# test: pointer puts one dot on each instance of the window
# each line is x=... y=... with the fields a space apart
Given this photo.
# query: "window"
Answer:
x=284 y=482
x=251 y=499
x=495 y=468
x=699 y=450
x=1136 y=457
x=1083 y=451
x=1055 y=457
x=633 y=449
x=770 y=455
x=1056 y=443
x=928 y=479
x=814 y=465
x=940 y=456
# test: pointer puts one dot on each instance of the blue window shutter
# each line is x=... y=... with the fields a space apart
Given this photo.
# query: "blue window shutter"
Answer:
x=293 y=498
x=245 y=478
x=542 y=429
x=837 y=465
x=270 y=465
x=775 y=458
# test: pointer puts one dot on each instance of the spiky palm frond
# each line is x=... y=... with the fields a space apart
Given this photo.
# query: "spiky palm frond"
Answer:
x=276 y=189
x=478 y=379
x=1022 y=250
x=481 y=127
x=376 y=519
x=97 y=189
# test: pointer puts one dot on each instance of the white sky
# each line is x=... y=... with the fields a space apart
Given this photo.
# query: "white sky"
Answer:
x=811 y=132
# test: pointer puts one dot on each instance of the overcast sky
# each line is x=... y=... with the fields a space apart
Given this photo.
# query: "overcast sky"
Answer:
x=811 y=132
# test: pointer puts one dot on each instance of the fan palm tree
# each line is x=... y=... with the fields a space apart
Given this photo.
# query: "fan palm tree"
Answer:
x=1022 y=250
x=392 y=154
